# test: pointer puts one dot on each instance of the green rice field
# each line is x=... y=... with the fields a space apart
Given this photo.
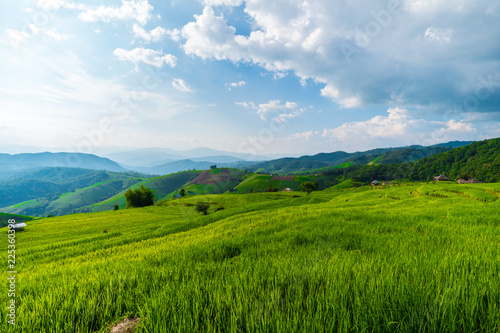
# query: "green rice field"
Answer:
x=417 y=257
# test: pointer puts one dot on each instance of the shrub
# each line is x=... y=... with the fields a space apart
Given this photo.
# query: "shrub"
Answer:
x=141 y=197
x=202 y=207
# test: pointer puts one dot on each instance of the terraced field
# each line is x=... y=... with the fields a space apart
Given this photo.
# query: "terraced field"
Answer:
x=413 y=258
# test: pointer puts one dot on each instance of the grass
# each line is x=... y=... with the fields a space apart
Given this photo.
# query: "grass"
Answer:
x=395 y=259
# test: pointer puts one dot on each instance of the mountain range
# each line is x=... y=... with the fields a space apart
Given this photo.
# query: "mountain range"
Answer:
x=41 y=184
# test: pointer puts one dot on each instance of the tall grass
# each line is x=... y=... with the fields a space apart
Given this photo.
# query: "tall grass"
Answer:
x=390 y=260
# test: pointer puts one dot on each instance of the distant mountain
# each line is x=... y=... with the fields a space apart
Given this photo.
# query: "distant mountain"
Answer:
x=18 y=162
x=151 y=157
x=145 y=157
x=374 y=156
x=48 y=184
x=181 y=165
x=217 y=159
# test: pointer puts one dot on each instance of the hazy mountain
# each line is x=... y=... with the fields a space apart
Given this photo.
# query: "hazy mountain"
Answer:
x=145 y=157
x=17 y=162
x=217 y=159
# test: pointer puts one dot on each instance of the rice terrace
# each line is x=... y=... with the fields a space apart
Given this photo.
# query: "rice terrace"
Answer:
x=412 y=257
x=250 y=166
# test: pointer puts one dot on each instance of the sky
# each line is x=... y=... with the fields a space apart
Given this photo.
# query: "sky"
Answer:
x=256 y=76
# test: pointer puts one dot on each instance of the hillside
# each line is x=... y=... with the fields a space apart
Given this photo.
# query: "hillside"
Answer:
x=34 y=192
x=346 y=260
x=480 y=160
x=213 y=181
x=61 y=160
x=162 y=187
x=4 y=219
x=310 y=164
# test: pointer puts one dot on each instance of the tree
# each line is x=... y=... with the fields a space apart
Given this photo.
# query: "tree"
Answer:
x=271 y=188
x=182 y=192
x=141 y=197
x=308 y=187
x=116 y=207
x=202 y=207
x=213 y=166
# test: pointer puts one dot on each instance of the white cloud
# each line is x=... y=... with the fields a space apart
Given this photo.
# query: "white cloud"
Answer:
x=56 y=4
x=273 y=107
x=364 y=52
x=438 y=35
x=304 y=136
x=231 y=3
x=397 y=128
x=148 y=56
x=15 y=38
x=138 y=10
x=180 y=85
x=231 y=85
x=156 y=34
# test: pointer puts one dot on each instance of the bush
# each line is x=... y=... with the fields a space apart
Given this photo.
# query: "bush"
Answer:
x=116 y=207
x=141 y=197
x=272 y=189
x=308 y=187
x=202 y=207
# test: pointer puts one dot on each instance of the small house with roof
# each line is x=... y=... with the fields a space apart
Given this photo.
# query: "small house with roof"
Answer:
x=19 y=226
x=441 y=178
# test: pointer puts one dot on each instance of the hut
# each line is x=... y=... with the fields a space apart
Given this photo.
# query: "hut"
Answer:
x=19 y=226
x=375 y=183
x=470 y=181
x=441 y=178
x=386 y=183
x=287 y=189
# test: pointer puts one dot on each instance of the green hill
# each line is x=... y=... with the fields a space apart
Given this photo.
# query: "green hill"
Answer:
x=412 y=258
x=4 y=218
x=161 y=186
x=480 y=160
x=50 y=183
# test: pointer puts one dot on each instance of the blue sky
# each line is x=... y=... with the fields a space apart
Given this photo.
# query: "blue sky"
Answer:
x=263 y=77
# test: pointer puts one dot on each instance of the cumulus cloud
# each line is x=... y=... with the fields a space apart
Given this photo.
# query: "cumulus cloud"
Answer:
x=231 y=85
x=397 y=128
x=231 y=3
x=138 y=10
x=287 y=110
x=180 y=85
x=156 y=34
x=364 y=52
x=147 y=56
x=438 y=35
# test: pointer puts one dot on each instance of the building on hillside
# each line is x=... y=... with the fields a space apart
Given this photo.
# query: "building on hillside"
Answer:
x=470 y=181
x=177 y=196
x=386 y=183
x=441 y=178
x=19 y=226
x=287 y=189
x=375 y=183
